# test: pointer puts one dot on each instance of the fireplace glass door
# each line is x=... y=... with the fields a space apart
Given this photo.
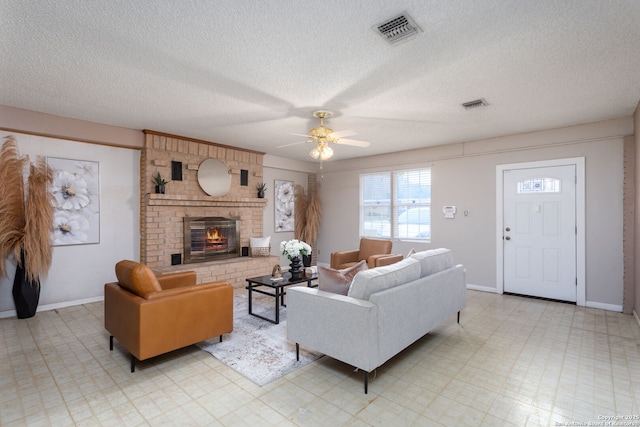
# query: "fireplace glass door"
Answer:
x=210 y=239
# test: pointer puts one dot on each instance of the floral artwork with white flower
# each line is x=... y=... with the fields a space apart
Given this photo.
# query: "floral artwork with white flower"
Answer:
x=294 y=248
x=76 y=205
x=284 y=205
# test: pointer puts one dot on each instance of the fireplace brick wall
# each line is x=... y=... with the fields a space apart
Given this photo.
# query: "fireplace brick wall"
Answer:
x=161 y=222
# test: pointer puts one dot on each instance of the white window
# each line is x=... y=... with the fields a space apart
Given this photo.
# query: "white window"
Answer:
x=396 y=204
x=539 y=185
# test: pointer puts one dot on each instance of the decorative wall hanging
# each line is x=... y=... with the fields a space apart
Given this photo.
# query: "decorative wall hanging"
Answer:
x=284 y=206
x=76 y=189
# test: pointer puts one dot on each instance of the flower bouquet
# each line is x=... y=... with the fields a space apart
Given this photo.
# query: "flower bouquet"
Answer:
x=294 y=248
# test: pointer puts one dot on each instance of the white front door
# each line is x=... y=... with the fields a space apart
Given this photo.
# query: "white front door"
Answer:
x=539 y=232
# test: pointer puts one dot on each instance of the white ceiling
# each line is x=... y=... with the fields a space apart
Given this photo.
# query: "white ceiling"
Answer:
x=250 y=73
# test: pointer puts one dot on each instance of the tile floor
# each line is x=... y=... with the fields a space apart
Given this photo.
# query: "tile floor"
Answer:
x=512 y=361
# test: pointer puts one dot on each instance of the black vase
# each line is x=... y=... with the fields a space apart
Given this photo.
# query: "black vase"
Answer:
x=26 y=293
x=260 y=194
x=306 y=260
x=159 y=189
x=296 y=268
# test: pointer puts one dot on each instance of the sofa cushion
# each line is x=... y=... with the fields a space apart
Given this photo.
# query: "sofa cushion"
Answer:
x=338 y=281
x=434 y=260
x=370 y=247
x=137 y=278
x=369 y=282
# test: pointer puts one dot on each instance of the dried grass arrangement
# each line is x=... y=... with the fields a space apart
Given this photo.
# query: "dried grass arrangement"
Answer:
x=314 y=215
x=299 y=212
x=39 y=221
x=308 y=213
x=12 y=220
x=25 y=225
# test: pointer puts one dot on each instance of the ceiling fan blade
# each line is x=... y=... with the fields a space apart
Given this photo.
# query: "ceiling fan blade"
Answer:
x=353 y=142
x=344 y=133
x=300 y=134
x=293 y=143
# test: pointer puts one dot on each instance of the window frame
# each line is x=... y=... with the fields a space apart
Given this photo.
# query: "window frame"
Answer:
x=395 y=205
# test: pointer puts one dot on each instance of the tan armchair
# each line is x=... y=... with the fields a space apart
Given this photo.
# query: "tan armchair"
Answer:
x=152 y=315
x=377 y=252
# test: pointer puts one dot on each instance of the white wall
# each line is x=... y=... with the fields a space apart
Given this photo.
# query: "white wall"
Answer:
x=464 y=175
x=78 y=273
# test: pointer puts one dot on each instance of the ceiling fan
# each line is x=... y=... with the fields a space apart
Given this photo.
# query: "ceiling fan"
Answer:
x=323 y=136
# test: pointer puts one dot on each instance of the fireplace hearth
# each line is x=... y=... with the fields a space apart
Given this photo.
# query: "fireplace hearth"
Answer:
x=210 y=239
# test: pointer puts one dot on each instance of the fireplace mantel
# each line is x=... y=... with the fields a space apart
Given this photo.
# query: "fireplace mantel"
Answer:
x=206 y=201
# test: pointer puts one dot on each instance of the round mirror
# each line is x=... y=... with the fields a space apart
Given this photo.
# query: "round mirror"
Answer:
x=214 y=177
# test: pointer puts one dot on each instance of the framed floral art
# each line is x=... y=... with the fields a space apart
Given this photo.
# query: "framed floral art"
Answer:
x=284 y=205
x=76 y=201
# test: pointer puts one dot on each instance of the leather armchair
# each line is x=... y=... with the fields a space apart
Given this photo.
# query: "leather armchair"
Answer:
x=152 y=315
x=377 y=252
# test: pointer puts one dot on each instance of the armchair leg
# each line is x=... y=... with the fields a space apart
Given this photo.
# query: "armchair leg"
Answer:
x=458 y=317
x=366 y=382
x=297 y=352
x=133 y=363
x=220 y=337
x=110 y=342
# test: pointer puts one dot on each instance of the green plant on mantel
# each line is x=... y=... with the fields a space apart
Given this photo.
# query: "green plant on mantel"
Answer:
x=262 y=187
x=158 y=180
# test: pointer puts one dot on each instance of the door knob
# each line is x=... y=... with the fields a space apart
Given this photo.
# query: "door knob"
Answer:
x=507 y=238
x=507 y=229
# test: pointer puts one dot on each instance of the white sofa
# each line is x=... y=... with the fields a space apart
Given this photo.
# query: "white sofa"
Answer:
x=386 y=309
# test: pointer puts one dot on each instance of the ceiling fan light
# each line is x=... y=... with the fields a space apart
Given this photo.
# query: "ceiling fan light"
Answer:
x=321 y=152
x=326 y=153
x=315 y=153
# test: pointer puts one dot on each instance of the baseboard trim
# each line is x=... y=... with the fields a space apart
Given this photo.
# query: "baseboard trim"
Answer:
x=603 y=306
x=482 y=288
x=635 y=314
x=47 y=307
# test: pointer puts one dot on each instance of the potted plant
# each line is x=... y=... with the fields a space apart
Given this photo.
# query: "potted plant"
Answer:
x=262 y=187
x=159 y=182
x=26 y=226
x=294 y=250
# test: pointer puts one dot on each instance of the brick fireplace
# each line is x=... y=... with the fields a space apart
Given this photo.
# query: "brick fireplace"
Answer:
x=162 y=215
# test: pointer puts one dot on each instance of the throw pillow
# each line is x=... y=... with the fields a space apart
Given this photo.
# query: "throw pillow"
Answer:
x=411 y=252
x=338 y=281
x=260 y=242
x=260 y=246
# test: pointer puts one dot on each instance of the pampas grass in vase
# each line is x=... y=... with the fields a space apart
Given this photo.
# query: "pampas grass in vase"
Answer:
x=12 y=221
x=39 y=221
x=300 y=213
x=314 y=215
x=308 y=213
x=25 y=226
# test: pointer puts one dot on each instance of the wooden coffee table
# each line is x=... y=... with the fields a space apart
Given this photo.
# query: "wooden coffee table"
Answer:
x=276 y=289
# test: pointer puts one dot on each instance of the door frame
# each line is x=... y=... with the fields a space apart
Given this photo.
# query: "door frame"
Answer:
x=579 y=163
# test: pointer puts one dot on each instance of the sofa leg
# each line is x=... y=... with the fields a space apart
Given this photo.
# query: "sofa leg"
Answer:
x=110 y=342
x=458 y=317
x=133 y=363
x=297 y=352
x=220 y=337
x=366 y=382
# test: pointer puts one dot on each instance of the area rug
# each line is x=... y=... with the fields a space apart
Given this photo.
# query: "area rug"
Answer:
x=258 y=349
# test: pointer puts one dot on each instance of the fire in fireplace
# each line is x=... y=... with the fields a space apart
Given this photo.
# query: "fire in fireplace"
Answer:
x=210 y=239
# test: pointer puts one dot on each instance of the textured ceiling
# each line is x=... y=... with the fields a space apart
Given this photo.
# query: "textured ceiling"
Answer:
x=250 y=73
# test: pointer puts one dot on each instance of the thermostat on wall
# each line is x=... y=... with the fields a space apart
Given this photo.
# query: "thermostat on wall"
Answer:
x=449 y=211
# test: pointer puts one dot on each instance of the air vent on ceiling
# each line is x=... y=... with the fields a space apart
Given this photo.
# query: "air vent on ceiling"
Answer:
x=475 y=104
x=398 y=29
